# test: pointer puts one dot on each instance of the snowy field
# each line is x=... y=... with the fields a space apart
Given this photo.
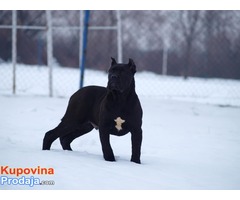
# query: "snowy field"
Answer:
x=33 y=80
x=191 y=139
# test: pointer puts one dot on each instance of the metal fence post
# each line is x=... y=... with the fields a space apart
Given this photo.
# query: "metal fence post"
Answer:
x=119 y=36
x=14 y=47
x=84 y=46
x=81 y=43
x=81 y=20
x=50 y=51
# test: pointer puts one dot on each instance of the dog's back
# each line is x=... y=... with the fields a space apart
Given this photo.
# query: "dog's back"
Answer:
x=83 y=101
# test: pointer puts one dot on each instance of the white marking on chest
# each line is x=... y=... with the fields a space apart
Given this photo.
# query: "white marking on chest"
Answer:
x=119 y=121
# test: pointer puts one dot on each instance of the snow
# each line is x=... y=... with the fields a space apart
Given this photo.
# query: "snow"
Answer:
x=189 y=144
x=33 y=80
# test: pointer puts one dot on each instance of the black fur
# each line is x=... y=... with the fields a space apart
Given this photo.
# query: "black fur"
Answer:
x=98 y=107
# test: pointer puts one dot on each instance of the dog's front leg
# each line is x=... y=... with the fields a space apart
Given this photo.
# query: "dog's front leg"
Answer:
x=136 y=145
x=106 y=147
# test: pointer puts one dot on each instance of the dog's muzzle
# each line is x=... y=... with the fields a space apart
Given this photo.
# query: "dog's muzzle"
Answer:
x=114 y=83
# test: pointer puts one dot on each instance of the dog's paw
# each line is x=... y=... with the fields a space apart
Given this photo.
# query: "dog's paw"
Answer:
x=136 y=160
x=109 y=158
x=45 y=148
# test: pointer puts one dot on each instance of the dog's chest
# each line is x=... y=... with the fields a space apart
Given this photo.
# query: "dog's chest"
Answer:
x=118 y=126
x=118 y=123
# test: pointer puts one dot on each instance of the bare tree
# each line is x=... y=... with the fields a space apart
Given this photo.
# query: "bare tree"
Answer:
x=189 y=26
x=220 y=34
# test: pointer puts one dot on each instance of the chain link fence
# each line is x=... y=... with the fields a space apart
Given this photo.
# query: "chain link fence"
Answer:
x=179 y=54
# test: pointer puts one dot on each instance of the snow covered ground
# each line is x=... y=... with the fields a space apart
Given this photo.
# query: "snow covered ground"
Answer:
x=186 y=144
x=33 y=80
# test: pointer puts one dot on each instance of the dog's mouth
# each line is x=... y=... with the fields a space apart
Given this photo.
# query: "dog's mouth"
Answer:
x=113 y=86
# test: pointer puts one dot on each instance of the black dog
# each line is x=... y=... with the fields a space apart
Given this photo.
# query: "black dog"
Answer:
x=114 y=110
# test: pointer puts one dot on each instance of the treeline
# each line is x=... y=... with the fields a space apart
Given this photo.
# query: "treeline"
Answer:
x=195 y=43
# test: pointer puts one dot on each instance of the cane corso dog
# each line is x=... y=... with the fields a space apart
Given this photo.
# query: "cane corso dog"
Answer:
x=115 y=110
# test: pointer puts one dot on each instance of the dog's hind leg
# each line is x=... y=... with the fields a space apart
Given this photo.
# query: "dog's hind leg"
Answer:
x=81 y=130
x=52 y=135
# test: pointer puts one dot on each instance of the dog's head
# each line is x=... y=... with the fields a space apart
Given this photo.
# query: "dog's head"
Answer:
x=121 y=76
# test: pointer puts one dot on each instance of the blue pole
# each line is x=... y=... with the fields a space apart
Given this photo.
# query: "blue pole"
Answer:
x=84 y=45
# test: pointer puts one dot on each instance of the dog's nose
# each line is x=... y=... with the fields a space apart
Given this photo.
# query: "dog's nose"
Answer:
x=114 y=76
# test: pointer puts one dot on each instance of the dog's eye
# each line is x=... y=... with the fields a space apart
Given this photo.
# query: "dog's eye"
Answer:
x=111 y=70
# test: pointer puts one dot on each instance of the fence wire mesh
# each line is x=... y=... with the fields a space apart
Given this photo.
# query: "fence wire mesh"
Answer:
x=177 y=53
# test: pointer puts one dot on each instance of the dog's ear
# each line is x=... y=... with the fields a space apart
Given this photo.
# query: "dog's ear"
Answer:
x=132 y=65
x=113 y=61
